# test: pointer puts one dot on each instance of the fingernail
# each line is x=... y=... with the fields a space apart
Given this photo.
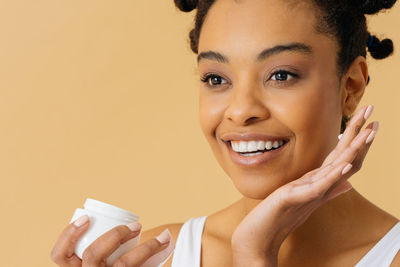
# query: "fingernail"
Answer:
x=347 y=168
x=371 y=137
x=134 y=226
x=164 y=237
x=339 y=136
x=376 y=126
x=81 y=220
x=368 y=112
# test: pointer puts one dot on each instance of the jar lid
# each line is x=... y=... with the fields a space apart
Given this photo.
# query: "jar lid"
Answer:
x=109 y=210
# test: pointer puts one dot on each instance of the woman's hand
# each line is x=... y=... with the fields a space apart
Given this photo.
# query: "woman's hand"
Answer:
x=258 y=237
x=97 y=253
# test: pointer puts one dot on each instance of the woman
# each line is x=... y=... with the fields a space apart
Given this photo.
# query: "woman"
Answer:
x=281 y=80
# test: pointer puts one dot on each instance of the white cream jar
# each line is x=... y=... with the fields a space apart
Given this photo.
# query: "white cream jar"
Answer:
x=103 y=217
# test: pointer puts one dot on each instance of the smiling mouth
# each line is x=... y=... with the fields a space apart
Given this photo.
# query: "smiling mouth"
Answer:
x=255 y=148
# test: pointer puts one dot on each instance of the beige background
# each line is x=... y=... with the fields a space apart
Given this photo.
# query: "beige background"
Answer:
x=99 y=99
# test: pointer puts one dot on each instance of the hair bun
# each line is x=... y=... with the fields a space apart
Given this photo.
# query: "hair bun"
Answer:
x=186 y=5
x=373 y=6
x=379 y=49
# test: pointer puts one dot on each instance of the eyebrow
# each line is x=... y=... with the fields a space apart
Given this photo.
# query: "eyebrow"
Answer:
x=268 y=52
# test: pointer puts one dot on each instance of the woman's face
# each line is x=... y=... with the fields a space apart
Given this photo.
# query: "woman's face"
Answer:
x=289 y=93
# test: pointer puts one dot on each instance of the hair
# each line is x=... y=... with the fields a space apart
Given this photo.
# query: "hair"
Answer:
x=344 y=20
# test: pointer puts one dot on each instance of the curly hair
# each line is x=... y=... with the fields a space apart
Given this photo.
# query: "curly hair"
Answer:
x=343 y=20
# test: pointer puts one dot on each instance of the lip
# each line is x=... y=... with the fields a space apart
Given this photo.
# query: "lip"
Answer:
x=253 y=161
x=251 y=137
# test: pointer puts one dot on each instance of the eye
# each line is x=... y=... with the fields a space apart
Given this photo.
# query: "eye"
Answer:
x=212 y=80
x=282 y=76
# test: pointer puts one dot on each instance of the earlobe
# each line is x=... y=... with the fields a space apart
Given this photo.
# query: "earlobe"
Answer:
x=354 y=83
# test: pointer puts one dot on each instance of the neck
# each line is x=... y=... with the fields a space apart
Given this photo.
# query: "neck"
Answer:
x=346 y=223
x=338 y=225
x=332 y=224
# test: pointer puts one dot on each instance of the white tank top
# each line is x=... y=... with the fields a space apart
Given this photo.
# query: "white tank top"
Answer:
x=188 y=246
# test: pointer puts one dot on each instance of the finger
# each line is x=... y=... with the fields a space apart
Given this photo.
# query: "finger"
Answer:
x=323 y=172
x=98 y=252
x=354 y=127
x=354 y=148
x=63 y=251
x=375 y=128
x=325 y=183
x=310 y=176
x=361 y=154
x=315 y=189
x=140 y=254
x=358 y=160
x=313 y=175
x=307 y=178
x=352 y=130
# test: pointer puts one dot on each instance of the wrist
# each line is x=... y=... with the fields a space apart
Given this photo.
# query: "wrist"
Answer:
x=243 y=256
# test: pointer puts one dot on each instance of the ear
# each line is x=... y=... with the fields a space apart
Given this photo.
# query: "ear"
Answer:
x=353 y=85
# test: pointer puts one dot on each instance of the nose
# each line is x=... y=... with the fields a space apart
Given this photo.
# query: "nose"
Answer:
x=246 y=106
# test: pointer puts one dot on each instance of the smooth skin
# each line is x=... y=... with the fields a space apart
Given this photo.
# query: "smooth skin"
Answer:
x=298 y=199
x=248 y=96
x=299 y=208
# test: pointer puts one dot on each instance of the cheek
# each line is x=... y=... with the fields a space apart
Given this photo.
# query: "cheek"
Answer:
x=314 y=107
x=211 y=112
x=315 y=120
x=210 y=115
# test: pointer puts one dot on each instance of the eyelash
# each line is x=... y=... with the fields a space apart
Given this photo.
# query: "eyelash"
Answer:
x=207 y=76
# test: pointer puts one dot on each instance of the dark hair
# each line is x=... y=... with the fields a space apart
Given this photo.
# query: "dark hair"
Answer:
x=344 y=20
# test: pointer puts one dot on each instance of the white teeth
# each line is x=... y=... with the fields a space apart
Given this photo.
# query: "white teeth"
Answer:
x=260 y=145
x=268 y=145
x=253 y=146
x=275 y=144
x=252 y=154
x=235 y=146
x=242 y=146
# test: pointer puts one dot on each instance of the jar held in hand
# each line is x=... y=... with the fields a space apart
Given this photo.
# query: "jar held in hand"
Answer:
x=104 y=217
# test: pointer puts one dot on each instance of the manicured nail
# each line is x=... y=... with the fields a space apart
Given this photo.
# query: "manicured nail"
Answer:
x=164 y=237
x=376 y=126
x=134 y=226
x=368 y=112
x=81 y=220
x=371 y=137
x=347 y=169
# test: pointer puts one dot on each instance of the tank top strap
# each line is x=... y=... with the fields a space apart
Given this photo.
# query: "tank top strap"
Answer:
x=383 y=253
x=188 y=244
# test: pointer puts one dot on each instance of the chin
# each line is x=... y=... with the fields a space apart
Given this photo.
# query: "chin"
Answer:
x=257 y=186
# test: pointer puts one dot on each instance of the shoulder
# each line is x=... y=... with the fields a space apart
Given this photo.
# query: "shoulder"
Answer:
x=396 y=260
x=173 y=228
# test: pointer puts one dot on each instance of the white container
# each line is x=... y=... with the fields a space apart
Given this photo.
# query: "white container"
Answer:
x=104 y=217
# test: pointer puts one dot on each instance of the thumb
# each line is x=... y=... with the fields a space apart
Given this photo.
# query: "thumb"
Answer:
x=165 y=249
x=150 y=253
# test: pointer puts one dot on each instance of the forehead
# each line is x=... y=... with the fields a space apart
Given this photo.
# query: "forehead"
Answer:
x=241 y=29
